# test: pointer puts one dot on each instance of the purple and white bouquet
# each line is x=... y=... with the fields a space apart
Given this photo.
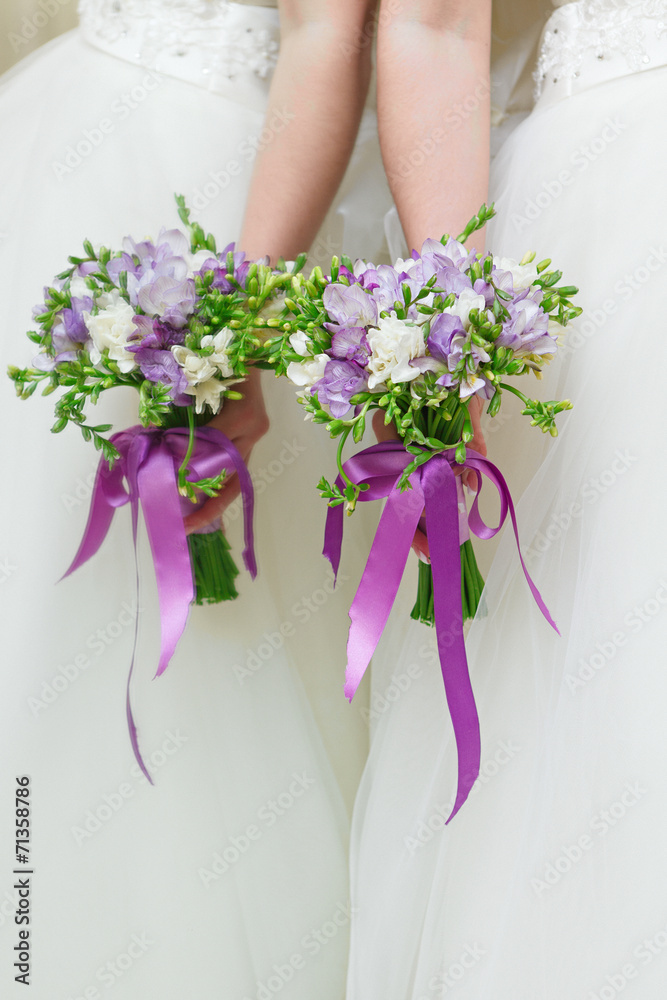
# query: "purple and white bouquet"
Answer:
x=419 y=340
x=170 y=318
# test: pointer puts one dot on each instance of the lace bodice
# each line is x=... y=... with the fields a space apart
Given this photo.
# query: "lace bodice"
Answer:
x=212 y=43
x=589 y=41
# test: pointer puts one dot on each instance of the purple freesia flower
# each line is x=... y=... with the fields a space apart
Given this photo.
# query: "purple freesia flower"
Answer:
x=444 y=329
x=170 y=298
x=161 y=366
x=449 y=263
x=154 y=335
x=119 y=264
x=503 y=280
x=86 y=268
x=72 y=319
x=449 y=279
x=482 y=287
x=349 y=343
x=450 y=254
x=166 y=259
x=341 y=381
x=527 y=329
x=350 y=305
x=171 y=244
x=221 y=275
x=68 y=336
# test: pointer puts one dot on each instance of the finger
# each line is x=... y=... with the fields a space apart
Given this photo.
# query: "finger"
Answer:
x=382 y=431
x=469 y=479
x=478 y=443
x=420 y=545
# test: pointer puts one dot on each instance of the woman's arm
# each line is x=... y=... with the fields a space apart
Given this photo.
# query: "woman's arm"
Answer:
x=434 y=122
x=433 y=111
x=320 y=83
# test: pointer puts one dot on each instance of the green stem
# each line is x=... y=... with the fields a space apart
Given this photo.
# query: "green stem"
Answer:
x=517 y=392
x=339 y=458
x=188 y=454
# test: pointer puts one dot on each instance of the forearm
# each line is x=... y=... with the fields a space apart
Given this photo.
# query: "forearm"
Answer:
x=433 y=112
x=320 y=86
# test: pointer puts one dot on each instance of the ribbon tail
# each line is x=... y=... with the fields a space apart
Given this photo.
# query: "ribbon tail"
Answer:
x=100 y=517
x=442 y=527
x=380 y=581
x=483 y=466
x=333 y=537
x=134 y=739
x=164 y=523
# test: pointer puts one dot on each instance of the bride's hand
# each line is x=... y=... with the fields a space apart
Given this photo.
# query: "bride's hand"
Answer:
x=244 y=422
x=388 y=432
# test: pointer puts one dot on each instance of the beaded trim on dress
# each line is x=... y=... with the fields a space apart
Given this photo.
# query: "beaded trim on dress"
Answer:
x=601 y=30
x=224 y=43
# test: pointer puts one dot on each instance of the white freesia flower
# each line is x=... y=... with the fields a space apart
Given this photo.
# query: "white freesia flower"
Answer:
x=202 y=371
x=220 y=341
x=465 y=302
x=471 y=384
x=306 y=373
x=196 y=368
x=207 y=394
x=110 y=330
x=407 y=266
x=523 y=275
x=557 y=332
x=300 y=343
x=109 y=300
x=393 y=343
x=78 y=288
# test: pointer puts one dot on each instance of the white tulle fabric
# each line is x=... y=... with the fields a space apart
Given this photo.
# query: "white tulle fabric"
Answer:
x=549 y=883
x=229 y=877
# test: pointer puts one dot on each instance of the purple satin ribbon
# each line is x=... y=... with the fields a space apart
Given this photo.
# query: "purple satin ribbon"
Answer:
x=434 y=490
x=149 y=462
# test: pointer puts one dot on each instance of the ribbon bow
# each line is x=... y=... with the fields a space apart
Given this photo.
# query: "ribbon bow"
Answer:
x=149 y=460
x=435 y=492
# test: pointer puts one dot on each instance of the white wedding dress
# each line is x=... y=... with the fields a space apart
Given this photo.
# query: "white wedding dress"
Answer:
x=550 y=882
x=229 y=877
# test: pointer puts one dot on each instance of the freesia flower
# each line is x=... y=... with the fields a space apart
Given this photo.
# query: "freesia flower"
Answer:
x=172 y=299
x=341 y=380
x=305 y=374
x=110 y=331
x=196 y=367
x=219 y=356
x=473 y=384
x=444 y=327
x=208 y=393
x=68 y=336
x=349 y=305
x=300 y=342
x=161 y=366
x=466 y=301
x=394 y=343
x=527 y=330
x=153 y=334
x=349 y=343
x=522 y=275
x=201 y=371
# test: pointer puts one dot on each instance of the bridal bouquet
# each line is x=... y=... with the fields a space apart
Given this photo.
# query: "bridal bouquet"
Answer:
x=169 y=318
x=419 y=340
x=173 y=319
